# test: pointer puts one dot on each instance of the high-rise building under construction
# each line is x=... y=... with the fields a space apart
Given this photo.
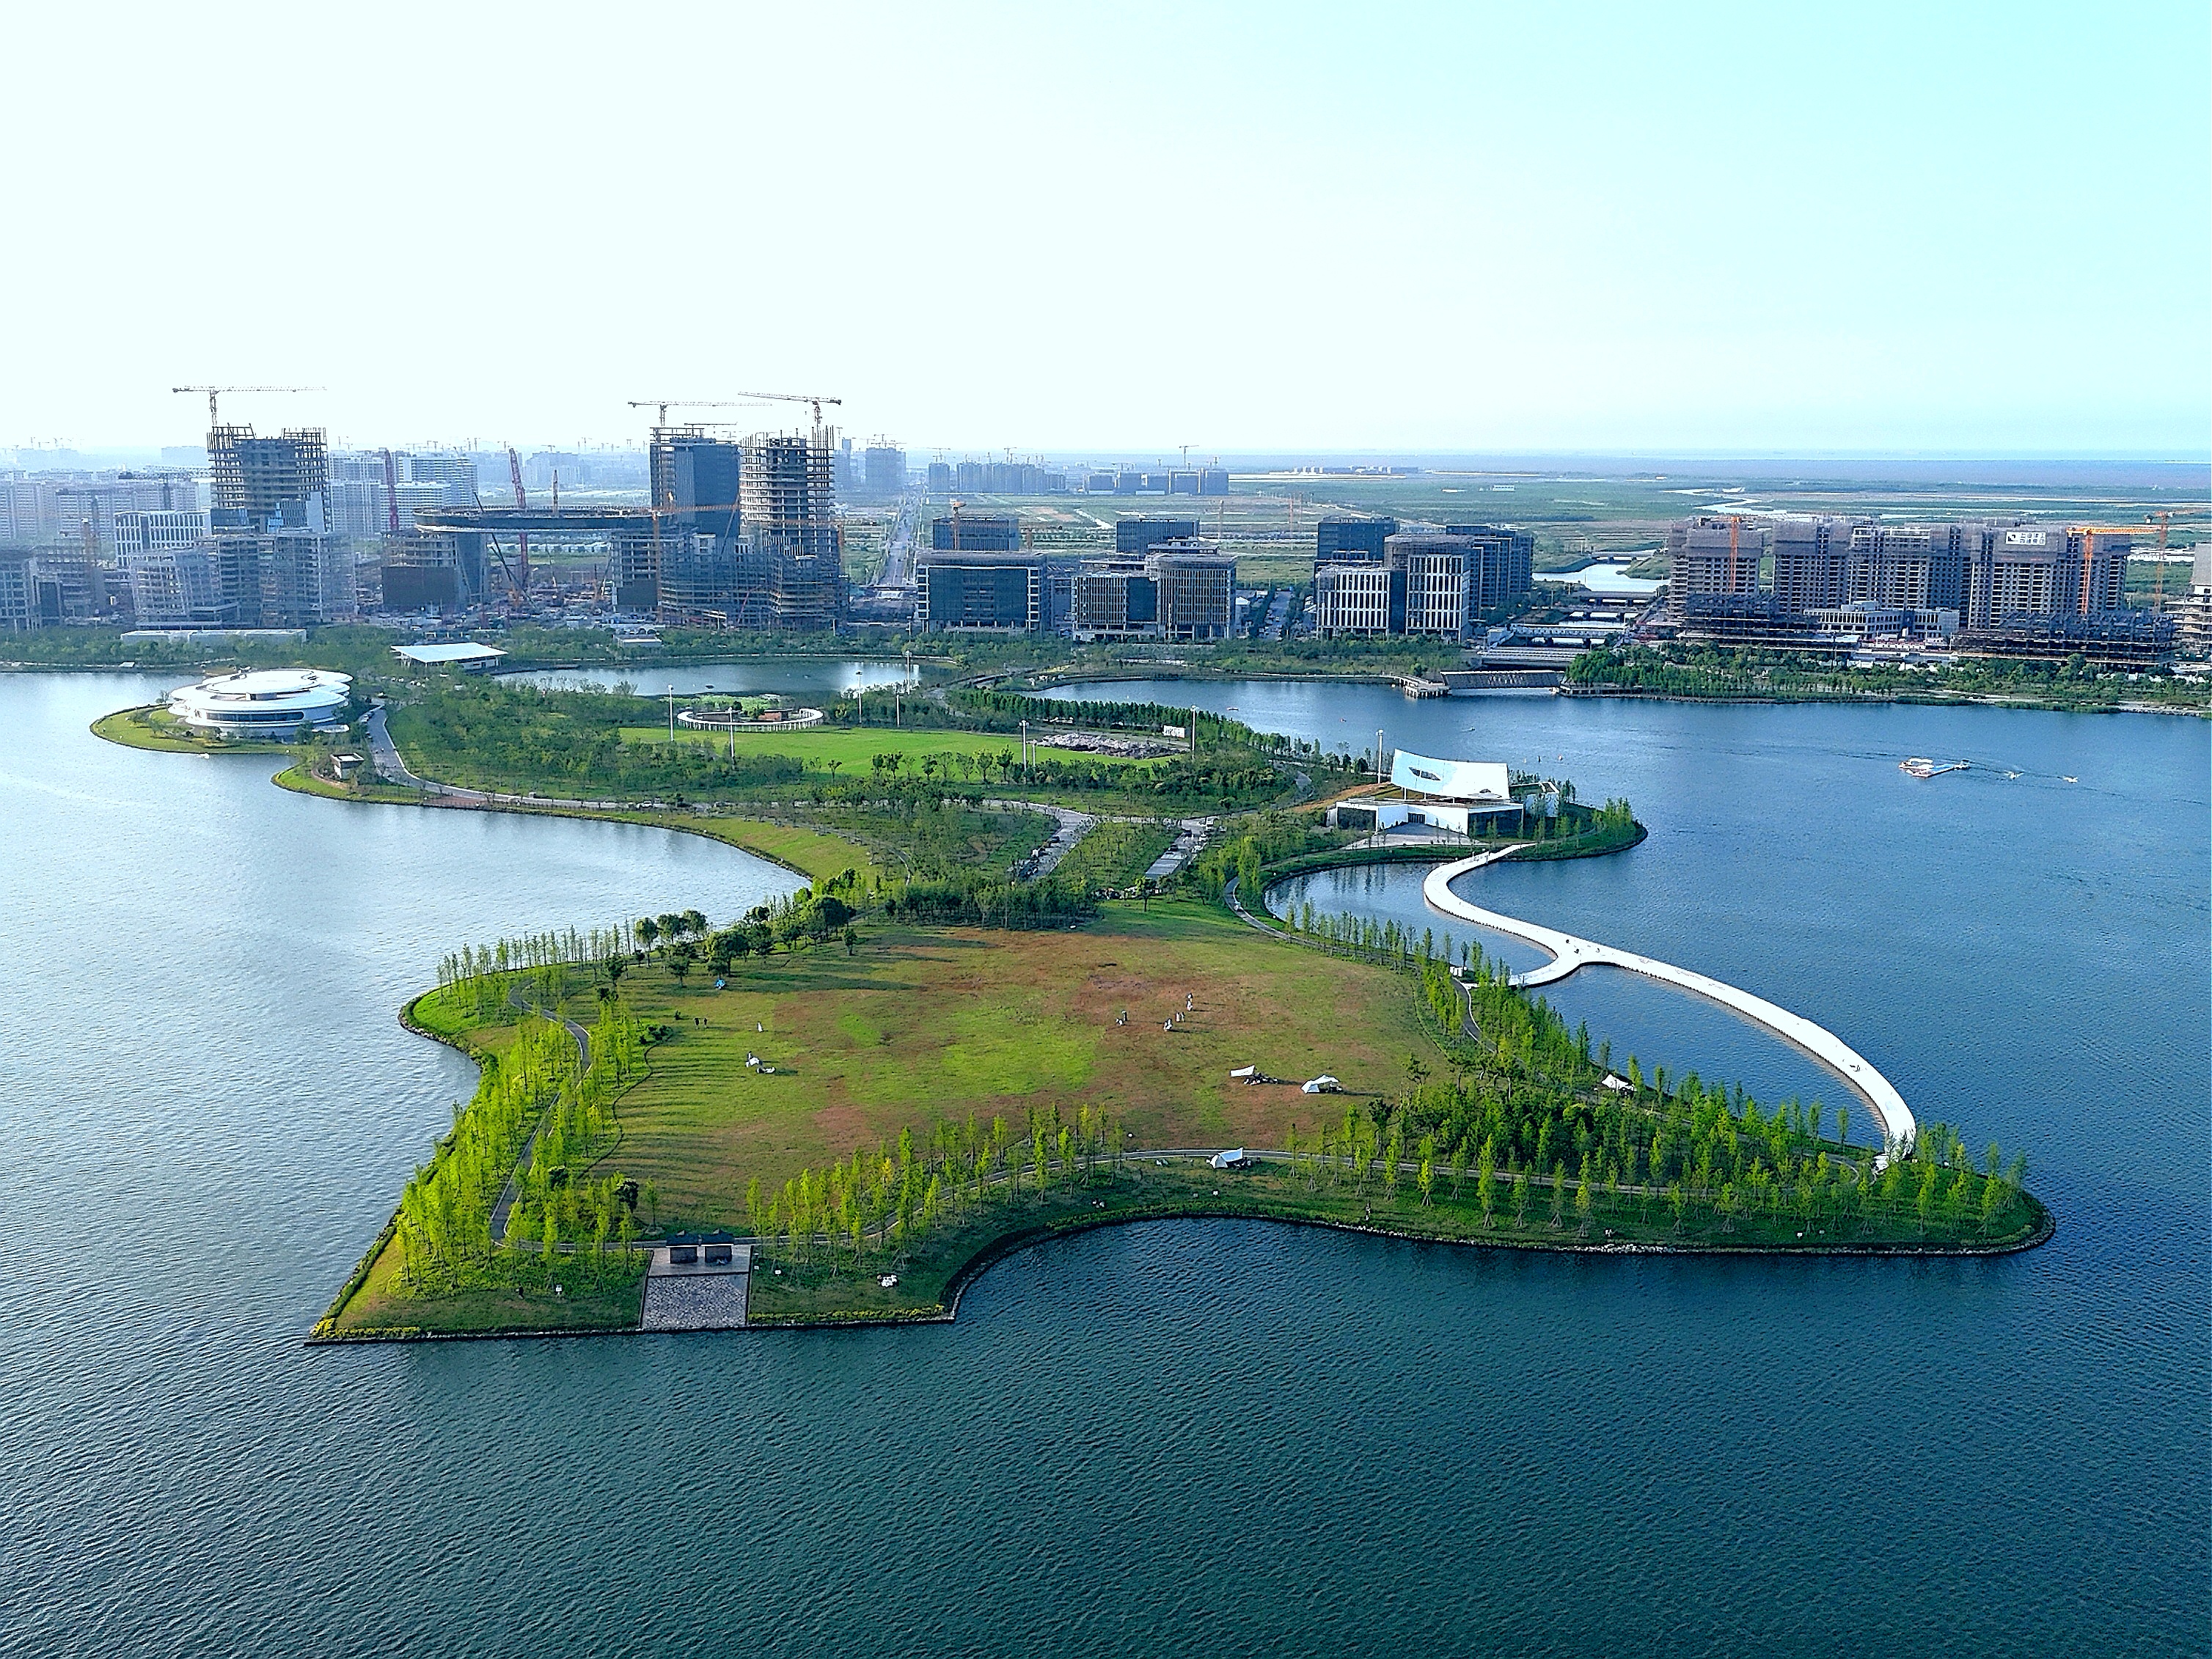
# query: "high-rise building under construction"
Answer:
x=787 y=516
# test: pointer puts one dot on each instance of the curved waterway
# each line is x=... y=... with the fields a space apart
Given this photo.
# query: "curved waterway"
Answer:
x=1203 y=1438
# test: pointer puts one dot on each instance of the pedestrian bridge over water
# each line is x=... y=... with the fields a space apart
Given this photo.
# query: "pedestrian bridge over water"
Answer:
x=1570 y=953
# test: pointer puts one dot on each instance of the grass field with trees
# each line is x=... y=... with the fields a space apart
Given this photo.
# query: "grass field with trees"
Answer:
x=908 y=1100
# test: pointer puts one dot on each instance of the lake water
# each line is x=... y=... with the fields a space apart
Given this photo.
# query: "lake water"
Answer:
x=819 y=679
x=1200 y=1438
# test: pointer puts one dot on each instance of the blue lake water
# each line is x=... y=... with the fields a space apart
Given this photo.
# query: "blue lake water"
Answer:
x=819 y=679
x=1181 y=1438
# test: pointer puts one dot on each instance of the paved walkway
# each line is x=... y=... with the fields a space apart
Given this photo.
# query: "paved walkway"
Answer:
x=1570 y=953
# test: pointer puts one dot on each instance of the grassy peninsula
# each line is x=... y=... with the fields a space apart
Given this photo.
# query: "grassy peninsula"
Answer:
x=903 y=1102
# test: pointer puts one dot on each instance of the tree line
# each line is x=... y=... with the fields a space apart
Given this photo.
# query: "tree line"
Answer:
x=888 y=1199
x=538 y=1084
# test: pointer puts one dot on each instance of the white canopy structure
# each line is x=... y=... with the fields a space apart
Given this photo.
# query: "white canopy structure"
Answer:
x=1451 y=780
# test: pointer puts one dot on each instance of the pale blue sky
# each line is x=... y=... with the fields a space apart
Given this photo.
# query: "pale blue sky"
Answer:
x=1461 y=227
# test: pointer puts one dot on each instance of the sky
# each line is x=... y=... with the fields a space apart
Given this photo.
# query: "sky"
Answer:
x=1117 y=230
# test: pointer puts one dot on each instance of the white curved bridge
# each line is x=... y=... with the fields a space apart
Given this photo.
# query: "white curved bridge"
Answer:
x=1570 y=953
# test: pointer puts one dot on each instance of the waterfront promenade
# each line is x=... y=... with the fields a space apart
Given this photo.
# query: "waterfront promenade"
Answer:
x=1570 y=954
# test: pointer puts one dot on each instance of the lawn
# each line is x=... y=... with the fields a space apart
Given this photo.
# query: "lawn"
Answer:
x=852 y=749
x=1115 y=855
x=578 y=1295
x=152 y=726
x=924 y=1024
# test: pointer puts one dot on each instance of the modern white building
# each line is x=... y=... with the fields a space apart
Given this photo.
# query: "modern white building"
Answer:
x=1467 y=798
x=1352 y=599
x=268 y=702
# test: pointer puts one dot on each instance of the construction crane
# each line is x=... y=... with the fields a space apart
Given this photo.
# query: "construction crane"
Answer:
x=2088 y=533
x=211 y=390
x=2158 y=583
x=1735 y=532
x=742 y=399
x=521 y=537
x=391 y=494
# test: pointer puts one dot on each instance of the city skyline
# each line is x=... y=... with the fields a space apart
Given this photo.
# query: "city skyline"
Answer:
x=1436 y=231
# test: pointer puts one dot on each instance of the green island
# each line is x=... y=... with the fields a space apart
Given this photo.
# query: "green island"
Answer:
x=1753 y=674
x=934 y=1051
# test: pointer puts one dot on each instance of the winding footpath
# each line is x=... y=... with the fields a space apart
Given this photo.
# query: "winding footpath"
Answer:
x=1568 y=954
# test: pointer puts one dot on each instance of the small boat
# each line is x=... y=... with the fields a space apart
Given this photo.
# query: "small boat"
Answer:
x=1920 y=766
x=2063 y=778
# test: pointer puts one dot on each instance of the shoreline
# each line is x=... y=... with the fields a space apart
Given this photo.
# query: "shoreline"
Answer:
x=1877 y=699
x=997 y=1249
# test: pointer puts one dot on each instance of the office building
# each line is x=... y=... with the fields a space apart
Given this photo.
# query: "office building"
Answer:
x=883 y=469
x=19 y=599
x=137 y=533
x=1352 y=541
x=1434 y=567
x=1113 y=598
x=1358 y=598
x=178 y=587
x=1197 y=589
x=1135 y=535
x=1500 y=567
x=1179 y=589
x=695 y=480
x=976 y=591
x=71 y=584
x=976 y=533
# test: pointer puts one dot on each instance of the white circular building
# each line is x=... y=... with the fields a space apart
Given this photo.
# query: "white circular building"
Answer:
x=265 y=702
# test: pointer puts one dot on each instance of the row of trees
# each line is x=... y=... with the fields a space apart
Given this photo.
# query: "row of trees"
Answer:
x=888 y=1199
x=444 y=1213
x=1528 y=1099
x=1708 y=670
x=507 y=734
x=538 y=1084
x=977 y=901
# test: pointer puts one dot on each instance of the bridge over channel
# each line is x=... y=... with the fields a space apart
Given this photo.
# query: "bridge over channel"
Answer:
x=1570 y=954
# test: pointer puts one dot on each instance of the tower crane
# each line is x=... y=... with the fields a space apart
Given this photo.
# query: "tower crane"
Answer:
x=391 y=494
x=2158 y=585
x=2089 y=532
x=212 y=392
x=521 y=537
x=663 y=405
